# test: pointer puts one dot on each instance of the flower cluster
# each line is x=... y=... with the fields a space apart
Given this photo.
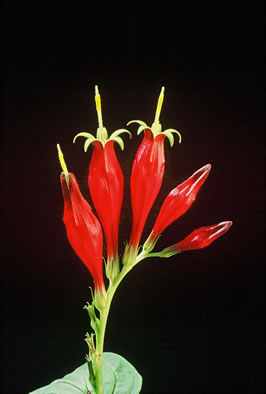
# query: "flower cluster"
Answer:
x=106 y=186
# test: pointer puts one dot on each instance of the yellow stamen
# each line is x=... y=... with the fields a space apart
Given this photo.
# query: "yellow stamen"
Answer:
x=62 y=160
x=98 y=107
x=159 y=106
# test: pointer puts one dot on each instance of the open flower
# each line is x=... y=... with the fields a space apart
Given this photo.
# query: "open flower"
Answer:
x=147 y=176
x=83 y=228
x=106 y=184
x=145 y=182
x=178 y=201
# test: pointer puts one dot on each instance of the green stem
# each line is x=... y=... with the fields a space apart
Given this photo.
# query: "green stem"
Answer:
x=144 y=255
x=100 y=331
x=104 y=312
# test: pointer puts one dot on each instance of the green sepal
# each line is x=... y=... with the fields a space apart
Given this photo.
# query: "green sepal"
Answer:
x=104 y=262
x=129 y=256
x=142 y=128
x=168 y=252
x=100 y=300
x=83 y=134
x=89 y=139
x=112 y=269
x=88 y=142
x=115 y=137
x=169 y=134
x=119 y=141
x=143 y=125
x=150 y=243
x=140 y=122
x=119 y=131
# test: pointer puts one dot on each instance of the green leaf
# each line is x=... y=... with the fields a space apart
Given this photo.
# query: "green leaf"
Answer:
x=119 y=376
x=73 y=383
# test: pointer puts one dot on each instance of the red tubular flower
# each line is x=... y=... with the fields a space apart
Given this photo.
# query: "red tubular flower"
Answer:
x=145 y=182
x=83 y=229
x=106 y=184
x=198 y=239
x=147 y=175
x=177 y=203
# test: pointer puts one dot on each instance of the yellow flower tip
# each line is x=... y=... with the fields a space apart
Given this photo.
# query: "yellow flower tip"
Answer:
x=97 y=99
x=62 y=160
x=159 y=106
x=98 y=106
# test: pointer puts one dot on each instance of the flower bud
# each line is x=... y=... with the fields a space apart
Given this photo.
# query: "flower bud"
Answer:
x=198 y=239
x=178 y=201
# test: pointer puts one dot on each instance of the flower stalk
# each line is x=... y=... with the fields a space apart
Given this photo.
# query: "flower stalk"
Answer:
x=96 y=352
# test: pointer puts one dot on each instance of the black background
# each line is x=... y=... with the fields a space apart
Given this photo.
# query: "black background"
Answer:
x=190 y=324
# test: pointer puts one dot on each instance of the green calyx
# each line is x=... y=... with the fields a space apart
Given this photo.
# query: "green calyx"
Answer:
x=168 y=252
x=156 y=131
x=150 y=243
x=156 y=127
x=102 y=137
x=112 y=268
